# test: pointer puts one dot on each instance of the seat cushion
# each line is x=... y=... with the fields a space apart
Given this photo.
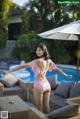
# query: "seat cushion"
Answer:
x=57 y=100
x=9 y=80
x=53 y=81
x=66 y=111
x=75 y=90
x=13 y=90
x=63 y=89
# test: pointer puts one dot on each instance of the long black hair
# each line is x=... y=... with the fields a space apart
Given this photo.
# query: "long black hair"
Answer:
x=46 y=55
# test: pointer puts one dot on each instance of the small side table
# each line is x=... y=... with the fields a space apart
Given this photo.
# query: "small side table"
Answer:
x=15 y=106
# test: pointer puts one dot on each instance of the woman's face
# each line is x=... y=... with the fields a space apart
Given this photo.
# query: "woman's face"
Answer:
x=39 y=52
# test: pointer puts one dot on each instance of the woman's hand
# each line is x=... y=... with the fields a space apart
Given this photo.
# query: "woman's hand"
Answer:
x=69 y=76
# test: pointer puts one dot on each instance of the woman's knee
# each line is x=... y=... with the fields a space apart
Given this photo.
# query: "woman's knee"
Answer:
x=46 y=98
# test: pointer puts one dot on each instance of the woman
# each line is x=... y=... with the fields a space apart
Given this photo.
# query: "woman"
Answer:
x=40 y=66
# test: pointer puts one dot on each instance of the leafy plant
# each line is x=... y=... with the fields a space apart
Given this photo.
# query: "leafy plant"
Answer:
x=25 y=46
x=4 y=9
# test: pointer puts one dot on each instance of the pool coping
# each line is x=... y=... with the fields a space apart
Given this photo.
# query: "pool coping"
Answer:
x=68 y=66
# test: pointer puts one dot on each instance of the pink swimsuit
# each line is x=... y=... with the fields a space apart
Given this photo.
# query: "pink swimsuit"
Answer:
x=40 y=84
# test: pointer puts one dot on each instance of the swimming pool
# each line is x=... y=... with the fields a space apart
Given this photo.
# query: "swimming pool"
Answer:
x=28 y=76
x=69 y=70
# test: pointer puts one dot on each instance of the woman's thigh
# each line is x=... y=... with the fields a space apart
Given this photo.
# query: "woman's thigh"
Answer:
x=46 y=98
x=38 y=97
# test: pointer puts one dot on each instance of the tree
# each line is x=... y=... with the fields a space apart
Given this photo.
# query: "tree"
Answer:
x=42 y=15
x=4 y=10
x=25 y=45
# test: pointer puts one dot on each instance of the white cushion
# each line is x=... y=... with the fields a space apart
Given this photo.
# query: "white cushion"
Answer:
x=9 y=80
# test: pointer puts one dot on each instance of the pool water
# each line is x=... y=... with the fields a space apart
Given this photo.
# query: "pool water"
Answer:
x=28 y=75
x=59 y=76
x=68 y=71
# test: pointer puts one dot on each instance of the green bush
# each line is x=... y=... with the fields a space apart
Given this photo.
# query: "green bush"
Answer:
x=3 y=40
x=25 y=57
x=25 y=46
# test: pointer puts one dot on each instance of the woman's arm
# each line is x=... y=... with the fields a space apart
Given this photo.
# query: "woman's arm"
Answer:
x=26 y=65
x=20 y=67
x=61 y=72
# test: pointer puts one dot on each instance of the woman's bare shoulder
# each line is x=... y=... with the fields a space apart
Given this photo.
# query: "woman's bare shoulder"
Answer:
x=50 y=61
x=39 y=62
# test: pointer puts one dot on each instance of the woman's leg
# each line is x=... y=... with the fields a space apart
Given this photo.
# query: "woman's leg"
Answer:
x=38 y=96
x=46 y=99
